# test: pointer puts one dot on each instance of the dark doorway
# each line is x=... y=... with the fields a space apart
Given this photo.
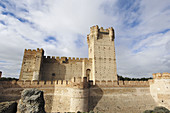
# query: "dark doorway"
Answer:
x=88 y=74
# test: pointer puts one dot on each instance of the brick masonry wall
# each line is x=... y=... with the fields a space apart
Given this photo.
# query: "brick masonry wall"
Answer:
x=64 y=68
x=160 y=89
x=121 y=99
x=75 y=95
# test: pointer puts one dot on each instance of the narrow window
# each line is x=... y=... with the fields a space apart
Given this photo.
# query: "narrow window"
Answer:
x=53 y=74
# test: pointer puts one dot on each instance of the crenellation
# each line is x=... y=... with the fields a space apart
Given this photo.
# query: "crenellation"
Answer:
x=73 y=58
x=63 y=60
x=38 y=49
x=104 y=30
x=77 y=59
x=65 y=82
x=60 y=82
x=158 y=75
x=53 y=57
x=121 y=83
x=29 y=50
x=41 y=82
x=94 y=29
x=110 y=83
x=164 y=75
x=81 y=82
x=57 y=58
x=13 y=82
x=49 y=57
x=34 y=50
x=34 y=82
x=66 y=59
x=69 y=58
x=48 y=82
x=27 y=82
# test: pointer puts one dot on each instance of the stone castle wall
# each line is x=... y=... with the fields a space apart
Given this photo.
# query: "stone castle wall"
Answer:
x=160 y=89
x=121 y=99
x=31 y=65
x=80 y=94
x=56 y=68
x=60 y=95
x=36 y=66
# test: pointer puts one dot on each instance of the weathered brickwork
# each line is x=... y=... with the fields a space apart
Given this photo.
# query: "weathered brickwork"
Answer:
x=64 y=68
x=31 y=65
x=160 y=88
x=102 y=51
x=79 y=94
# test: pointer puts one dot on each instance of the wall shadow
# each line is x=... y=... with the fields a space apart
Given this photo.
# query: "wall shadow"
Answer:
x=53 y=69
x=11 y=91
x=95 y=94
x=49 y=95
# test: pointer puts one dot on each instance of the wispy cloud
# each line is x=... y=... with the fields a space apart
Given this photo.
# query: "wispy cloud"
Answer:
x=60 y=27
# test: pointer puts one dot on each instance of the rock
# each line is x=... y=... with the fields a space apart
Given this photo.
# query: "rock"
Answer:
x=32 y=101
x=8 y=107
x=159 y=109
x=148 y=111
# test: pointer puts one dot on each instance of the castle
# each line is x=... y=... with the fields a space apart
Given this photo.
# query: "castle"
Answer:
x=101 y=64
x=87 y=84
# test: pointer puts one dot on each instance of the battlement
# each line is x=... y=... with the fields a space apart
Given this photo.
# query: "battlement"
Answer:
x=53 y=59
x=110 y=83
x=96 y=28
x=34 y=84
x=161 y=75
x=95 y=31
x=33 y=50
x=80 y=82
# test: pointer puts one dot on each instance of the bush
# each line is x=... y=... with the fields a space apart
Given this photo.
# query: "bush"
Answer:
x=132 y=79
x=7 y=79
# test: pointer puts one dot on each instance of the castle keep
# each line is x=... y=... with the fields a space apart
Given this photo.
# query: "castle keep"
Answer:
x=101 y=64
x=87 y=84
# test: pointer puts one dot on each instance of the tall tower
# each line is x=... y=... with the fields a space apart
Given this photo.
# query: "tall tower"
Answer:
x=102 y=51
x=31 y=64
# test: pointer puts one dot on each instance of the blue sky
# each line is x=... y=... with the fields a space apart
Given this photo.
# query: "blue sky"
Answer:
x=142 y=30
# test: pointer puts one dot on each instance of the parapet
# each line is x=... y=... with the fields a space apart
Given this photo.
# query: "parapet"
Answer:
x=75 y=82
x=79 y=82
x=53 y=59
x=33 y=51
x=34 y=84
x=96 y=30
x=161 y=75
x=111 y=83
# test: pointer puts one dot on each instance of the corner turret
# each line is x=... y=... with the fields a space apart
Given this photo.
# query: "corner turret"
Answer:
x=31 y=64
